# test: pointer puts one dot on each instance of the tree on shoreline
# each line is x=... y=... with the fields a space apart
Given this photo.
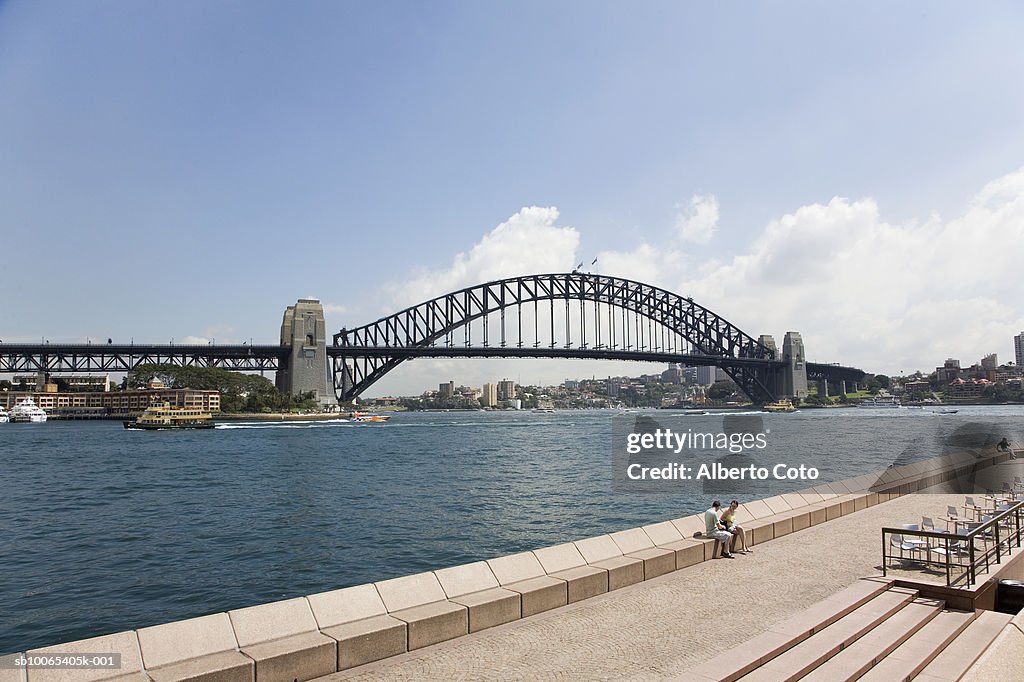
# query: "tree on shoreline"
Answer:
x=238 y=392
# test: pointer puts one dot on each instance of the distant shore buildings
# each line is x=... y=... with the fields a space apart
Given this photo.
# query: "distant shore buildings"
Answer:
x=77 y=403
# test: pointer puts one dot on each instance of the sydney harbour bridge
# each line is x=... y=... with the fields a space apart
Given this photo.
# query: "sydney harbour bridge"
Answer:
x=563 y=315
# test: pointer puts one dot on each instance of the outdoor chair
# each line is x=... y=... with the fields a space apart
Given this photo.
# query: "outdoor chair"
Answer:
x=971 y=507
x=896 y=540
x=955 y=549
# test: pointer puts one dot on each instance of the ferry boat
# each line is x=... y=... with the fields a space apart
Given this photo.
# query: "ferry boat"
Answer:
x=880 y=402
x=779 y=406
x=165 y=416
x=3 y=416
x=27 y=412
x=365 y=417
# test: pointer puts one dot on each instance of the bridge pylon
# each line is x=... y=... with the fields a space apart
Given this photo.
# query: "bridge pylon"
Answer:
x=794 y=373
x=303 y=329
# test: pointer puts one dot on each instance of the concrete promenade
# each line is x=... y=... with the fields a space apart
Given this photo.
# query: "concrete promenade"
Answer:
x=659 y=628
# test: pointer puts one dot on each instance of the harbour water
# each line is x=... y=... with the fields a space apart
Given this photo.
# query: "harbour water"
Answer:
x=103 y=530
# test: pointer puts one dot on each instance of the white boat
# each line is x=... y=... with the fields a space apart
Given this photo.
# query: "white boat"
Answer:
x=880 y=402
x=367 y=418
x=3 y=416
x=27 y=411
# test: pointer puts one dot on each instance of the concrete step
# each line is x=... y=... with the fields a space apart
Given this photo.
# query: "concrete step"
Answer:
x=859 y=657
x=910 y=657
x=962 y=652
x=803 y=658
x=732 y=664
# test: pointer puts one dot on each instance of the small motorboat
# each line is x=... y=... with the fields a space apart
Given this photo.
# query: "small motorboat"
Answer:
x=365 y=417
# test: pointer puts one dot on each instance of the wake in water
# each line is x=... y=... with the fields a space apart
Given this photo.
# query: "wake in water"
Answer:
x=319 y=424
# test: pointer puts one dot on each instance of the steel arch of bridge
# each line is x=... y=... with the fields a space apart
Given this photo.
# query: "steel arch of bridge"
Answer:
x=361 y=356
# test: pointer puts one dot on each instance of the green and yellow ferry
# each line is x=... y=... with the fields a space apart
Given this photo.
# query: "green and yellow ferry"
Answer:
x=165 y=416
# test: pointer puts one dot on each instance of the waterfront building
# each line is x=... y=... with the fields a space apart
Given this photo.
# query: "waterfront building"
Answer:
x=960 y=389
x=490 y=395
x=989 y=363
x=506 y=390
x=949 y=372
x=115 y=402
x=446 y=391
x=917 y=386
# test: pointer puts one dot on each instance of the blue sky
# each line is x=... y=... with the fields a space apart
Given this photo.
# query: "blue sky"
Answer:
x=186 y=170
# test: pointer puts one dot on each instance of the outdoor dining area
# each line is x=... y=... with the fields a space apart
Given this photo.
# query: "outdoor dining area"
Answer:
x=961 y=543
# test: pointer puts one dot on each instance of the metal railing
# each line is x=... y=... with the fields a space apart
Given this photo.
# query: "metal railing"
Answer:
x=963 y=552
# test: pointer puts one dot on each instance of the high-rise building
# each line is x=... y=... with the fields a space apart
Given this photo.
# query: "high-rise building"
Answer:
x=1018 y=350
x=990 y=362
x=672 y=375
x=950 y=370
x=446 y=391
x=506 y=389
x=490 y=395
x=705 y=375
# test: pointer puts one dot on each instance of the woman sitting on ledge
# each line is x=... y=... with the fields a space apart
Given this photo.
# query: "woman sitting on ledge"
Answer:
x=729 y=520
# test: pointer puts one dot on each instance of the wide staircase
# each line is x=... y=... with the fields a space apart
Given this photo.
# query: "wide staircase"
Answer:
x=870 y=631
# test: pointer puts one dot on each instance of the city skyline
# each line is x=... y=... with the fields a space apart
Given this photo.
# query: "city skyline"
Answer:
x=188 y=171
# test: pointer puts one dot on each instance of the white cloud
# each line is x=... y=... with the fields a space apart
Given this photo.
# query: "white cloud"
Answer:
x=216 y=334
x=528 y=242
x=700 y=222
x=879 y=295
x=334 y=308
x=863 y=291
x=645 y=263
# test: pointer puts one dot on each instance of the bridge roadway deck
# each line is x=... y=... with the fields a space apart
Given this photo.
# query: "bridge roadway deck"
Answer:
x=659 y=628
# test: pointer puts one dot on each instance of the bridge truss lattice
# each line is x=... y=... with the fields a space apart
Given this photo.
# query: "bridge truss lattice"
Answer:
x=610 y=318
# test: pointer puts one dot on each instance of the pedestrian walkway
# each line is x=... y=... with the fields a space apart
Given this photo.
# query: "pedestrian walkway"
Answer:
x=661 y=627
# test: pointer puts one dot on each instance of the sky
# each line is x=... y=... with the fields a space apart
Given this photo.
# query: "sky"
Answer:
x=186 y=170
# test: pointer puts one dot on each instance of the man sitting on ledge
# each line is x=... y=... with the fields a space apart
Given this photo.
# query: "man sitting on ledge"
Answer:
x=716 y=531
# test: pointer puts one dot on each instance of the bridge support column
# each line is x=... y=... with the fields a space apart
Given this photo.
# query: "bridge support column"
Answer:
x=794 y=377
x=822 y=388
x=303 y=329
x=842 y=387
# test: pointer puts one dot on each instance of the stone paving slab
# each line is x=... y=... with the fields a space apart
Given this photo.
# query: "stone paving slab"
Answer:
x=657 y=629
